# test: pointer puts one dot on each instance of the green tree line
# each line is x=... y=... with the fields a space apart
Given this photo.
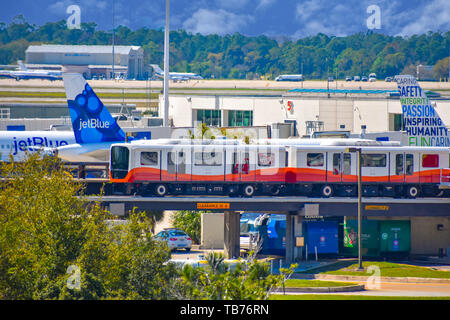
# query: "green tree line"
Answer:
x=236 y=56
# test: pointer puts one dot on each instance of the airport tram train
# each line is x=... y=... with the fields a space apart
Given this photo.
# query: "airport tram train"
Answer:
x=322 y=168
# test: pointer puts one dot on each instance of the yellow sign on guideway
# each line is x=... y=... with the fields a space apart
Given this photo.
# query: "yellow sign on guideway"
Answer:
x=213 y=206
x=377 y=208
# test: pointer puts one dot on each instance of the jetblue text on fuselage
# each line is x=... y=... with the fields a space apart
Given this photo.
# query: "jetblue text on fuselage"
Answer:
x=93 y=124
x=22 y=145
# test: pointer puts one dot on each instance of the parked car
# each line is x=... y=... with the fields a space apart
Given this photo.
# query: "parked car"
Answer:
x=330 y=79
x=348 y=78
x=372 y=79
x=364 y=78
x=175 y=239
x=357 y=78
x=388 y=79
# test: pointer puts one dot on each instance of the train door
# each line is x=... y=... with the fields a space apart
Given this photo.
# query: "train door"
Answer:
x=341 y=167
x=403 y=167
x=183 y=166
x=169 y=170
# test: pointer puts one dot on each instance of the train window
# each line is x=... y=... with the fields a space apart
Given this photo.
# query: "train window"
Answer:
x=235 y=164
x=373 y=160
x=314 y=159
x=409 y=164
x=430 y=160
x=149 y=158
x=181 y=163
x=336 y=163
x=399 y=164
x=213 y=159
x=347 y=166
x=266 y=159
x=171 y=162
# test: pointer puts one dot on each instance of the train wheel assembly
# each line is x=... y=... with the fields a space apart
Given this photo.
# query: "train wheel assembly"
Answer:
x=412 y=191
x=248 y=190
x=327 y=191
x=161 y=190
x=275 y=190
x=232 y=190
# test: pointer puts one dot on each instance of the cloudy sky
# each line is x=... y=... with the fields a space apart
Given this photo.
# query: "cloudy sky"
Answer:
x=291 y=18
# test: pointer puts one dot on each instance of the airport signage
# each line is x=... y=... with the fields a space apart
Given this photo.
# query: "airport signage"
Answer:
x=422 y=123
x=376 y=208
x=213 y=206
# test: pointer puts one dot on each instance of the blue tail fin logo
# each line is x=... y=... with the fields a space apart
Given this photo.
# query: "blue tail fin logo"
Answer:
x=422 y=123
x=91 y=121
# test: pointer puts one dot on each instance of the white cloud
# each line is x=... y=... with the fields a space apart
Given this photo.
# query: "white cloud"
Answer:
x=60 y=7
x=318 y=16
x=264 y=4
x=216 y=22
x=231 y=4
x=435 y=15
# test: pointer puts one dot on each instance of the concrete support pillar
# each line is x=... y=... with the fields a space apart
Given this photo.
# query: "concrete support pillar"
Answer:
x=298 y=232
x=290 y=236
x=232 y=229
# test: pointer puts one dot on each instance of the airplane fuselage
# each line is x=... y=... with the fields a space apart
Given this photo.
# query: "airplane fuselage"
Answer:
x=17 y=143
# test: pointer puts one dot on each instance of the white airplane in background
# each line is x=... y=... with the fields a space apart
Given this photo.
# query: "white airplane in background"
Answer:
x=289 y=77
x=176 y=76
x=24 y=73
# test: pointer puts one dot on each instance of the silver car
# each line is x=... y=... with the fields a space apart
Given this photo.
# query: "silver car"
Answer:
x=175 y=239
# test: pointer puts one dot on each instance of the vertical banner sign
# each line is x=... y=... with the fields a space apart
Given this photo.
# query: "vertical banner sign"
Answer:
x=422 y=123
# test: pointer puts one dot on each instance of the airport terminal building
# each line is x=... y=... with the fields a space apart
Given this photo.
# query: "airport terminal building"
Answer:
x=91 y=61
x=307 y=110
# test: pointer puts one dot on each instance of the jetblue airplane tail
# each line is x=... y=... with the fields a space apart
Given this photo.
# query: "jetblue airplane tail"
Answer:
x=421 y=121
x=91 y=121
x=157 y=69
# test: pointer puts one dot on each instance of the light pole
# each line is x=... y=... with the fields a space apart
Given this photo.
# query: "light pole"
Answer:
x=358 y=152
x=113 y=41
x=166 y=68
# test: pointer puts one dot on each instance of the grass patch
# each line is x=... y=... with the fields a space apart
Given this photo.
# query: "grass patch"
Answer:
x=298 y=283
x=387 y=269
x=347 y=297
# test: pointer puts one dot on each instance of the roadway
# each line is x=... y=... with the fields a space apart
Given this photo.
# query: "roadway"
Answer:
x=396 y=289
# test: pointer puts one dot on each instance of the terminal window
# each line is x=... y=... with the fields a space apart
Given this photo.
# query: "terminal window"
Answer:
x=238 y=118
x=209 y=117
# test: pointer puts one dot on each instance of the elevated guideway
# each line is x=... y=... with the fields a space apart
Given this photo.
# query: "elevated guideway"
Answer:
x=325 y=207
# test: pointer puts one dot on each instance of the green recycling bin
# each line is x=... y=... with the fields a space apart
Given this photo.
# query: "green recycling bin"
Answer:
x=395 y=237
